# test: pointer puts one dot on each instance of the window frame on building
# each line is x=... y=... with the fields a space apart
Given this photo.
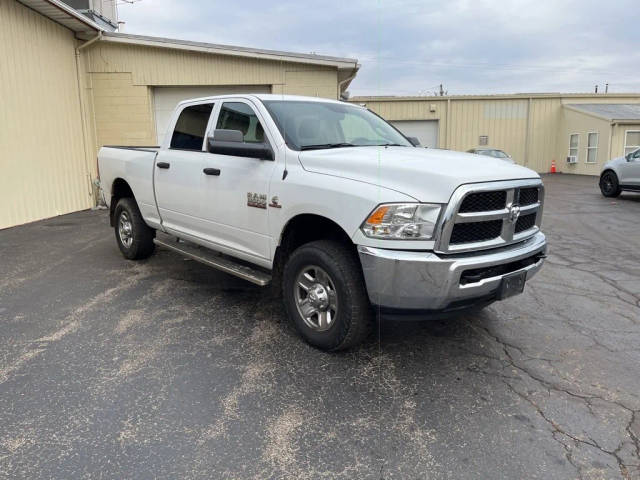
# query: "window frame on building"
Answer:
x=632 y=148
x=594 y=148
x=576 y=148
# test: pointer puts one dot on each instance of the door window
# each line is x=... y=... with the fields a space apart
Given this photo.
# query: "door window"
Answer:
x=240 y=116
x=191 y=126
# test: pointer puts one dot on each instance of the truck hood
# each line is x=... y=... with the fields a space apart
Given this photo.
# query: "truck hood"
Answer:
x=427 y=175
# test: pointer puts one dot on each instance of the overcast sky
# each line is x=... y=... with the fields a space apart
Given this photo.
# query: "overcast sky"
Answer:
x=409 y=47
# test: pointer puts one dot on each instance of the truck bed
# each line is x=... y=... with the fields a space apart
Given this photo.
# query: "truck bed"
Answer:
x=135 y=165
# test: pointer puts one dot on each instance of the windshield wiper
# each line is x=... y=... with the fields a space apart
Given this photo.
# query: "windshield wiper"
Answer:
x=327 y=145
x=388 y=145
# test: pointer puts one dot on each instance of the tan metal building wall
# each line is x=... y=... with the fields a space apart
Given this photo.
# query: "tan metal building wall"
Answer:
x=530 y=127
x=42 y=159
x=121 y=77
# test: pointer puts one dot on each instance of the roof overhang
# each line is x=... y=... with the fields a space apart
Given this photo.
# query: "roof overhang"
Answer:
x=212 y=48
x=66 y=16
x=608 y=118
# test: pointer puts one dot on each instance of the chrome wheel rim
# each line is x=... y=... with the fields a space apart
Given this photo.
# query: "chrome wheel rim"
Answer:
x=316 y=298
x=125 y=229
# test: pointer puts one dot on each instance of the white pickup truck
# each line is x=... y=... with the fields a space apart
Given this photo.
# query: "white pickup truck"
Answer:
x=331 y=204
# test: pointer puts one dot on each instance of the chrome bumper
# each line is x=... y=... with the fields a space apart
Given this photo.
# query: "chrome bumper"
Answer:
x=424 y=281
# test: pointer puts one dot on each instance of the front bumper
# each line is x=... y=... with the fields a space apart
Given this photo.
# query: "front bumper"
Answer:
x=423 y=282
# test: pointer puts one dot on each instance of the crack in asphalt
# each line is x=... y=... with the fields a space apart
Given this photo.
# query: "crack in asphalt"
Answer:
x=624 y=467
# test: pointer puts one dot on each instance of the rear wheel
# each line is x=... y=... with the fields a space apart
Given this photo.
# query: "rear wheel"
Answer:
x=609 y=185
x=134 y=237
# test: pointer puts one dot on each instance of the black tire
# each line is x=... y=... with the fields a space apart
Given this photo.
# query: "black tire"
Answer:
x=139 y=243
x=609 y=185
x=352 y=320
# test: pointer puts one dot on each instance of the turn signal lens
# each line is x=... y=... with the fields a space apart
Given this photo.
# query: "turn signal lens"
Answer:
x=402 y=221
x=376 y=217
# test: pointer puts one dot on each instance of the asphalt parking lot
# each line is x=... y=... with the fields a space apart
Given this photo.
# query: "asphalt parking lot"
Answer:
x=167 y=369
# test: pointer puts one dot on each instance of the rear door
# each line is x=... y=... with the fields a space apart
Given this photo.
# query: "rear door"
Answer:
x=236 y=199
x=178 y=171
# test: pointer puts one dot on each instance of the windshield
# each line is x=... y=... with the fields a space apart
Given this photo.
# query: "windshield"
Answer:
x=318 y=125
x=493 y=153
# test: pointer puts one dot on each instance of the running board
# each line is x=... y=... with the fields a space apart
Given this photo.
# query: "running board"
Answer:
x=213 y=259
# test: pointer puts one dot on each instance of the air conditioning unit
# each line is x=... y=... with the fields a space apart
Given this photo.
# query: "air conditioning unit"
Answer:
x=572 y=159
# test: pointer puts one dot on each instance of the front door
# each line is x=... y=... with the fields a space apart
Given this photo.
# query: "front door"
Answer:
x=236 y=198
x=178 y=172
x=630 y=170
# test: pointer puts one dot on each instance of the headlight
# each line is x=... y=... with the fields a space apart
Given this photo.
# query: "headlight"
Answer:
x=402 y=221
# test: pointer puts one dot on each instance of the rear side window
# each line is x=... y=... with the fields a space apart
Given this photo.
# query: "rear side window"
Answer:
x=240 y=116
x=191 y=126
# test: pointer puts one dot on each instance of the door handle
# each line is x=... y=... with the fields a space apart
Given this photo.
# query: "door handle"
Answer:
x=211 y=171
x=163 y=164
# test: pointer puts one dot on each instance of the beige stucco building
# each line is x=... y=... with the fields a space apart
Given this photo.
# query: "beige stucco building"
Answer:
x=534 y=129
x=68 y=86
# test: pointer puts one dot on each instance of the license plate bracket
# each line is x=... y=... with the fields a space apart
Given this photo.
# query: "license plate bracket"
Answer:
x=512 y=284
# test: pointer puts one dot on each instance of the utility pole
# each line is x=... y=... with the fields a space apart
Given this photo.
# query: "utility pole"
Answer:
x=596 y=88
x=606 y=88
x=441 y=91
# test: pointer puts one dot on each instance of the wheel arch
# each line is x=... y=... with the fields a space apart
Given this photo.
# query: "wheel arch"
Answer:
x=120 y=188
x=305 y=228
x=608 y=169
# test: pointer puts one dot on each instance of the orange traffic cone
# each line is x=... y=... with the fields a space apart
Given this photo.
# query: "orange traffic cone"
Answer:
x=553 y=166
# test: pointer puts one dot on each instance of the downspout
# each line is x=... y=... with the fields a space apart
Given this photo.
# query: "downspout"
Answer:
x=346 y=80
x=611 y=129
x=82 y=110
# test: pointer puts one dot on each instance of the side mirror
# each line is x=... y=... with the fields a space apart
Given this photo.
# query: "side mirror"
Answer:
x=414 y=141
x=231 y=142
x=222 y=135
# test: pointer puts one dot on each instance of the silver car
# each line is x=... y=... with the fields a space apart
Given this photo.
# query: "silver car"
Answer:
x=492 y=152
x=622 y=173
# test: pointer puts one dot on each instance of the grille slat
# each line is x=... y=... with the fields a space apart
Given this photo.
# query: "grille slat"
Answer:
x=484 y=201
x=528 y=196
x=525 y=222
x=475 y=232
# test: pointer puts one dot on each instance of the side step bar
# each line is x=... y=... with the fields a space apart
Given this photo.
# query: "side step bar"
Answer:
x=213 y=259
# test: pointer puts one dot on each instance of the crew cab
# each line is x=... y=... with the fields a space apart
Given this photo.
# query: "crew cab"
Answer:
x=333 y=206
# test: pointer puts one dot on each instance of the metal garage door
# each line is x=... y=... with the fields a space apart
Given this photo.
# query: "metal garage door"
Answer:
x=165 y=99
x=425 y=130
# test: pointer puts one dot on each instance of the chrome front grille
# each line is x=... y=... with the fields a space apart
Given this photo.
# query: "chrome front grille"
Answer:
x=489 y=215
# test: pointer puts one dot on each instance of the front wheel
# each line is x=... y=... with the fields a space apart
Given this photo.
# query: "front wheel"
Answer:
x=325 y=296
x=609 y=185
x=134 y=237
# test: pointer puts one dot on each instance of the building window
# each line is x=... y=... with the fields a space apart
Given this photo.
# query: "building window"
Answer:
x=190 y=128
x=592 y=147
x=574 y=142
x=631 y=141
